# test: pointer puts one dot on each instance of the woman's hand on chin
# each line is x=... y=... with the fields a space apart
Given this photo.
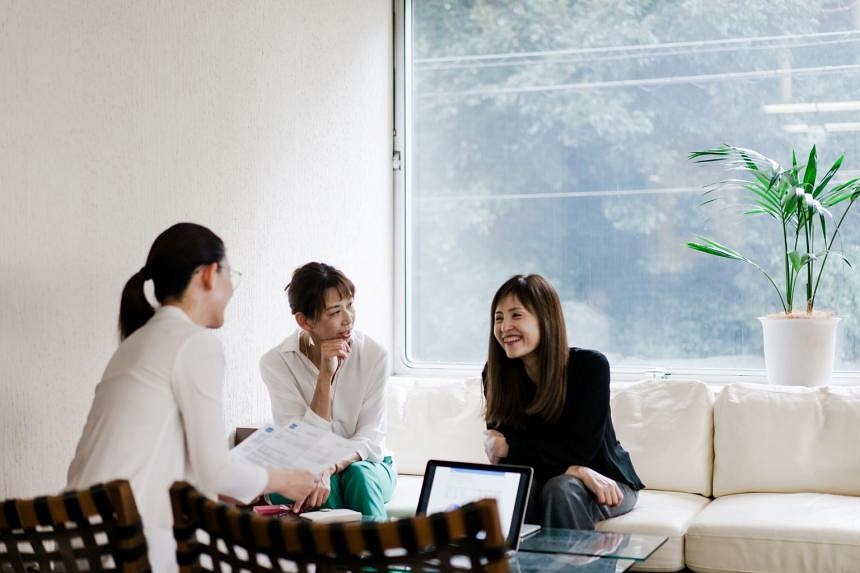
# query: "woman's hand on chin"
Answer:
x=332 y=354
x=605 y=490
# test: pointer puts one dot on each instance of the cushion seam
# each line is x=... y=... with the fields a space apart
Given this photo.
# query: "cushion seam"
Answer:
x=785 y=539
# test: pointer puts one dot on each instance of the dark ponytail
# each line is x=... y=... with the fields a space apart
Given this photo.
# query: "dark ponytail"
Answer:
x=174 y=256
x=134 y=309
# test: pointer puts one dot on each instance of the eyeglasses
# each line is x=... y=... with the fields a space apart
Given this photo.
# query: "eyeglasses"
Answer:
x=235 y=276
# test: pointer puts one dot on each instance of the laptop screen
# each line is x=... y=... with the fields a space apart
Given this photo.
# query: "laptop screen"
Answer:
x=448 y=485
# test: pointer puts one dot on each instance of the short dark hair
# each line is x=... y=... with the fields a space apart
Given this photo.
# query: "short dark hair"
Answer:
x=174 y=255
x=306 y=290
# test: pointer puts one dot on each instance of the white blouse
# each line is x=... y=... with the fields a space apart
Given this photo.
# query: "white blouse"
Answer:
x=157 y=418
x=358 y=391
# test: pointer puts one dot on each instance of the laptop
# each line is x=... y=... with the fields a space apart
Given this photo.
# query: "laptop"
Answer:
x=449 y=484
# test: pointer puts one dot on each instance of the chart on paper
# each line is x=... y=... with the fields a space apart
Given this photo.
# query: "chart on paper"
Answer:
x=297 y=445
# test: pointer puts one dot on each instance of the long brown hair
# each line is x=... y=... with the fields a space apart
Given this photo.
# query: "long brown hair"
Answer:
x=506 y=380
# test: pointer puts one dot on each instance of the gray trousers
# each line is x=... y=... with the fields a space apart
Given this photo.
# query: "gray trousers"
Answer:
x=564 y=501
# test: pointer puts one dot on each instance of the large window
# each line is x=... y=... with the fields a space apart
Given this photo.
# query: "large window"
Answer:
x=551 y=136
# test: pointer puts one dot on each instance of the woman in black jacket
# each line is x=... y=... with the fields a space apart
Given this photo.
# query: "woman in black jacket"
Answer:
x=547 y=406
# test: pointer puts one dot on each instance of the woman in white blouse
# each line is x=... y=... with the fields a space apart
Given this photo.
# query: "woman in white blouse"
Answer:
x=156 y=417
x=329 y=375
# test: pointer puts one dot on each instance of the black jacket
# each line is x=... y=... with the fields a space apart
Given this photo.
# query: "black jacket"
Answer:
x=582 y=436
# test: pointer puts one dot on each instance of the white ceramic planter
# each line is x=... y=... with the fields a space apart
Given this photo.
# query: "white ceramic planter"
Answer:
x=799 y=349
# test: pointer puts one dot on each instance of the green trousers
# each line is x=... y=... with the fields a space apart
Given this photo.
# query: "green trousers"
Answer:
x=364 y=486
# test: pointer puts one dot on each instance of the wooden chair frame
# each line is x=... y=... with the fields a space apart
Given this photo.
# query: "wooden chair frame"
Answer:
x=96 y=529
x=210 y=535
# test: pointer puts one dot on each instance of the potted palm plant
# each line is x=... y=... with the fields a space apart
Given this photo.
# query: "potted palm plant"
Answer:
x=798 y=344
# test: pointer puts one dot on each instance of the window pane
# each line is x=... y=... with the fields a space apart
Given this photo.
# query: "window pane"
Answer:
x=553 y=139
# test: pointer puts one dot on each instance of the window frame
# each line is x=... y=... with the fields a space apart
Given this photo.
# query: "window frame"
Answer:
x=402 y=136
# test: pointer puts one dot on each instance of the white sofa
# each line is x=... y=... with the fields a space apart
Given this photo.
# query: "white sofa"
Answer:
x=746 y=478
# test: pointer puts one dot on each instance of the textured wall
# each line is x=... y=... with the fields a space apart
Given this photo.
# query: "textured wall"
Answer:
x=270 y=122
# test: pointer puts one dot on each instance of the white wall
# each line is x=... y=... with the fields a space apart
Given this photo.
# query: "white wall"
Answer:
x=269 y=122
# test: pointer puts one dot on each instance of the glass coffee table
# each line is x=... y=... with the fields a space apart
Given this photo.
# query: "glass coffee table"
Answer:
x=525 y=562
x=583 y=551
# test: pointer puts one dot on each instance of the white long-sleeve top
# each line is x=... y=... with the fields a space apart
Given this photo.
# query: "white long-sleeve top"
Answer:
x=358 y=391
x=157 y=418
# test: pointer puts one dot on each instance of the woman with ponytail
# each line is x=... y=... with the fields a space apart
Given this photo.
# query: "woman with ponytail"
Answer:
x=157 y=415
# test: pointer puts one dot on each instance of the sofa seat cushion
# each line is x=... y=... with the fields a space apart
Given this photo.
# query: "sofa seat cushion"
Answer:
x=785 y=532
x=660 y=513
x=405 y=498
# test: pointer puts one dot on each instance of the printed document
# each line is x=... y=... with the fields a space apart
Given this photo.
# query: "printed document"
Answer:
x=297 y=445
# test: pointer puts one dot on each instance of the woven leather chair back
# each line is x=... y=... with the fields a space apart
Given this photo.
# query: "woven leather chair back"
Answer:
x=212 y=535
x=97 y=529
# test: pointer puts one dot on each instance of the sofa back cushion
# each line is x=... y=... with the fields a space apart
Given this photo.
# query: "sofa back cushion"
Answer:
x=667 y=427
x=786 y=439
x=434 y=419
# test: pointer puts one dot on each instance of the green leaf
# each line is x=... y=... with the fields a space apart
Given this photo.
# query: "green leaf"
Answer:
x=791 y=204
x=761 y=212
x=797 y=260
x=828 y=176
x=767 y=199
x=715 y=154
x=811 y=168
x=762 y=178
x=748 y=162
x=819 y=254
x=841 y=192
x=823 y=221
x=714 y=248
